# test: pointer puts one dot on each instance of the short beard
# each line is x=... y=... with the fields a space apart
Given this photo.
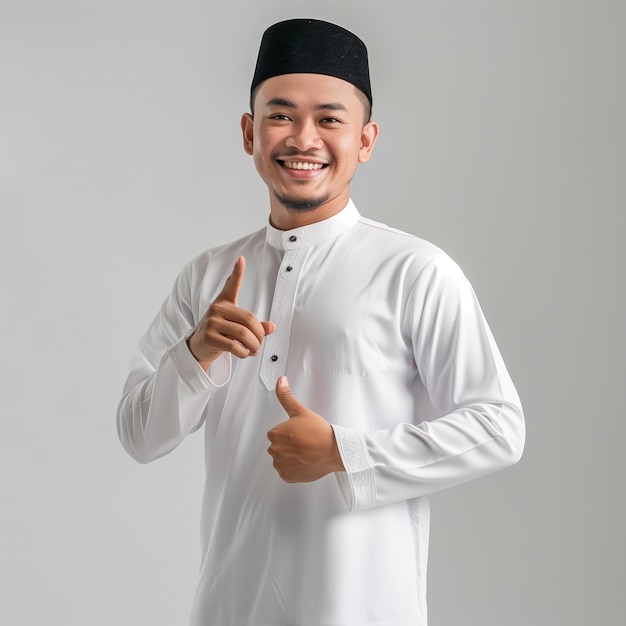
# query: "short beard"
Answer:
x=296 y=204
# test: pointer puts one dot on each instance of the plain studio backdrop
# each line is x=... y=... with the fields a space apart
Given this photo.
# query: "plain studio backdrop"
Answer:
x=503 y=139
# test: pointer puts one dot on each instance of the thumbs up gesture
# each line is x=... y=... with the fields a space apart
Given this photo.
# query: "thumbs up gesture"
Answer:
x=227 y=328
x=304 y=447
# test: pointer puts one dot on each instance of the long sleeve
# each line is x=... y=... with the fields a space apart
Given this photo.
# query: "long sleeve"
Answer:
x=480 y=427
x=166 y=391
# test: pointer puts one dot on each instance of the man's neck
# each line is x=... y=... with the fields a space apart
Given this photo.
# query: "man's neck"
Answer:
x=283 y=218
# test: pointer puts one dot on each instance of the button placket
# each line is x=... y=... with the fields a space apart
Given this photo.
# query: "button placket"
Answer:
x=276 y=345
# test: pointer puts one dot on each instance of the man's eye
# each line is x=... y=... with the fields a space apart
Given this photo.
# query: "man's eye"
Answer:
x=280 y=117
x=330 y=120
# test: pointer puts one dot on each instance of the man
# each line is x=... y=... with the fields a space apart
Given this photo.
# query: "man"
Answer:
x=360 y=352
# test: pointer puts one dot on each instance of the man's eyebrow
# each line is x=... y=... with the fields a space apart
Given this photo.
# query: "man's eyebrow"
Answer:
x=281 y=102
x=330 y=106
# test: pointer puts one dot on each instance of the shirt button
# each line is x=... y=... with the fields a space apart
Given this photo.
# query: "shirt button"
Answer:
x=274 y=357
x=293 y=238
x=289 y=268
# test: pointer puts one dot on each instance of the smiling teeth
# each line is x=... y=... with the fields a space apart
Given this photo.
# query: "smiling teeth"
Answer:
x=299 y=165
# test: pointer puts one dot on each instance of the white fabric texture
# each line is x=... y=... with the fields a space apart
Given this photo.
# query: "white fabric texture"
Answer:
x=381 y=334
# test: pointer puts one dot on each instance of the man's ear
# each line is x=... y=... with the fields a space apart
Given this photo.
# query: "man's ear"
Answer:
x=368 y=139
x=247 y=132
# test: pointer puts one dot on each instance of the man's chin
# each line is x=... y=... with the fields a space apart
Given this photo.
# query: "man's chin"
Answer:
x=301 y=204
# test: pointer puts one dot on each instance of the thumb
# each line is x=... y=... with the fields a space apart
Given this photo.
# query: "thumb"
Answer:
x=268 y=327
x=286 y=398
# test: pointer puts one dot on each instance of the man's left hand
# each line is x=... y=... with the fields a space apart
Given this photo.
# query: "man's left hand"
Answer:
x=304 y=447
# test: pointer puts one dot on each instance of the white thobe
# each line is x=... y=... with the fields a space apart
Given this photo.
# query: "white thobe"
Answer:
x=380 y=333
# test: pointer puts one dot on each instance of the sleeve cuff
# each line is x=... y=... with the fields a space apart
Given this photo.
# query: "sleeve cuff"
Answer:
x=358 y=482
x=192 y=374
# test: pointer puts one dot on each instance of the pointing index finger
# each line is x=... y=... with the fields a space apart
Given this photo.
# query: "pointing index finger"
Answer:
x=230 y=291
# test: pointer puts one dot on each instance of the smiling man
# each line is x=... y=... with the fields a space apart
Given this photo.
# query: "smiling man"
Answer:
x=359 y=353
x=307 y=136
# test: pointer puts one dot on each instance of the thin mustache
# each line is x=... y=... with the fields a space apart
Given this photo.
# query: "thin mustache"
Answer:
x=296 y=153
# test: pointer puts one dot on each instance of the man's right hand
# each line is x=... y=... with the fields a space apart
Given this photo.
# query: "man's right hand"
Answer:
x=227 y=328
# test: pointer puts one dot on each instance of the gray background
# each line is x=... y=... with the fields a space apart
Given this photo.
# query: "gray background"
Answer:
x=503 y=140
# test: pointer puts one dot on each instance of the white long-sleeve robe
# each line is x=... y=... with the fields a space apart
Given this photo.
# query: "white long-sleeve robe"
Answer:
x=380 y=333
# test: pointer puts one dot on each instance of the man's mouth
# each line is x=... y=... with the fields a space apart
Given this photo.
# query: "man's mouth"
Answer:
x=302 y=165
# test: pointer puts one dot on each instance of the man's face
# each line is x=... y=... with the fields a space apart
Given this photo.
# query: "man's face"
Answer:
x=307 y=135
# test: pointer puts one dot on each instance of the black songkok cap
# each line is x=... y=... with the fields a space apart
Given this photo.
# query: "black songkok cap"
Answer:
x=305 y=46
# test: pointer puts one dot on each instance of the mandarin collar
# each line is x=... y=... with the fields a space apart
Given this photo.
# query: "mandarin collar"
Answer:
x=313 y=234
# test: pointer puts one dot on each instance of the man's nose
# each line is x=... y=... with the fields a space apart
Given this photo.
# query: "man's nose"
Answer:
x=304 y=136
